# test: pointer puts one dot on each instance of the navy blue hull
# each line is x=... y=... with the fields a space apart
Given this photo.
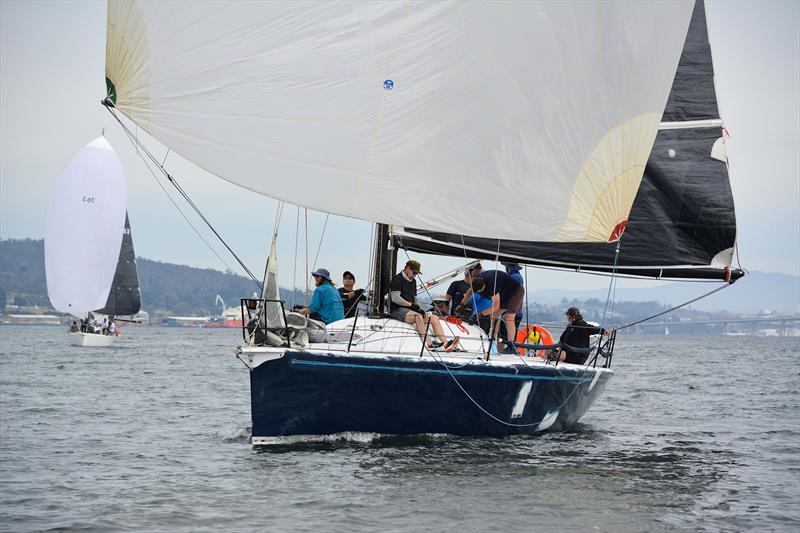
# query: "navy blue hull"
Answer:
x=315 y=394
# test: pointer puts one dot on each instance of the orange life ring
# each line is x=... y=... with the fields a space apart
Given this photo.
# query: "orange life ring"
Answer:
x=533 y=334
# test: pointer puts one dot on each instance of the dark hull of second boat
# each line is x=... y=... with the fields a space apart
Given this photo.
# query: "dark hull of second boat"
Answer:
x=306 y=393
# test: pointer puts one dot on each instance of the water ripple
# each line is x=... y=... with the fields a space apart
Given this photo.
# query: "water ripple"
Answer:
x=152 y=434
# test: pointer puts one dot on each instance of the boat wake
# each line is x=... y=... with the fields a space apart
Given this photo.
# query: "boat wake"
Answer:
x=234 y=433
x=347 y=439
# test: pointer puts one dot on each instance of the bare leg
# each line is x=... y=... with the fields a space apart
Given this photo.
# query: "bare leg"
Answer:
x=437 y=329
x=419 y=322
x=511 y=326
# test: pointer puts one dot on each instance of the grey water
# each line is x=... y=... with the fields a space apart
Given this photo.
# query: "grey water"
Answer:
x=698 y=434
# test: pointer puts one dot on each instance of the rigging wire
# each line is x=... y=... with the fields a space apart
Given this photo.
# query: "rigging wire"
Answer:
x=321 y=237
x=278 y=217
x=611 y=283
x=305 y=209
x=527 y=315
x=183 y=194
x=684 y=304
x=579 y=381
x=294 y=265
x=177 y=207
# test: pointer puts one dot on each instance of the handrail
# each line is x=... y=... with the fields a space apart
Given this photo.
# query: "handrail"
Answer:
x=259 y=304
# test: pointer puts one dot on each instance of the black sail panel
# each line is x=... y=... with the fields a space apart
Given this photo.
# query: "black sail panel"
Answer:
x=693 y=96
x=125 y=297
x=682 y=222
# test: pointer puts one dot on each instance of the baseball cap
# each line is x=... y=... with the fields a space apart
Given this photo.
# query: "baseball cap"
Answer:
x=415 y=266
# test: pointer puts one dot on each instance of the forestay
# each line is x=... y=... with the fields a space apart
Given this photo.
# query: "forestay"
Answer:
x=83 y=233
x=385 y=110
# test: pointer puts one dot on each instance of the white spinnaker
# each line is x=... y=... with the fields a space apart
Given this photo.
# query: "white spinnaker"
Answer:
x=83 y=233
x=527 y=120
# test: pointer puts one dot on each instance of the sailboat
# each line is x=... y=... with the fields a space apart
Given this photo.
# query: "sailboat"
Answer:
x=581 y=136
x=90 y=263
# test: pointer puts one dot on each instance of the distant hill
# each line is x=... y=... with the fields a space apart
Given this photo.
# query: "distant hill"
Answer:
x=22 y=280
x=184 y=290
x=166 y=287
x=757 y=291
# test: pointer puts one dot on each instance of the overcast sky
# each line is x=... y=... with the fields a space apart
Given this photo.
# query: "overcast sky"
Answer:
x=52 y=80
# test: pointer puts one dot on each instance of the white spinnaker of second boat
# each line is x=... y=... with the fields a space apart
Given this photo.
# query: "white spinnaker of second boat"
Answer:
x=83 y=232
x=383 y=110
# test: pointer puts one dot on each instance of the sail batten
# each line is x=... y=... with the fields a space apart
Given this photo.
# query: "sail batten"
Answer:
x=689 y=124
x=382 y=111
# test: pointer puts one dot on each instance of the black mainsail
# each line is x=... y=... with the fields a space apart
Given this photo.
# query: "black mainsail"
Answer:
x=125 y=297
x=682 y=223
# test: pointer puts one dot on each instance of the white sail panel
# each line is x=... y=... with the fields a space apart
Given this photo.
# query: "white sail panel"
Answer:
x=84 y=227
x=514 y=120
x=273 y=310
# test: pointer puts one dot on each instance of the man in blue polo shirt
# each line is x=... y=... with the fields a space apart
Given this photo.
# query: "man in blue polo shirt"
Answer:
x=326 y=304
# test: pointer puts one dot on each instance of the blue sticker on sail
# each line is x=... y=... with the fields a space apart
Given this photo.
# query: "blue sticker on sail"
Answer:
x=388 y=85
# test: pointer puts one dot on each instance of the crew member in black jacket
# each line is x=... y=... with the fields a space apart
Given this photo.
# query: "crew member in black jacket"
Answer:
x=577 y=335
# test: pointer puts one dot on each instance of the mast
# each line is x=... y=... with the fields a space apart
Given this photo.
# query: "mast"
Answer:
x=385 y=265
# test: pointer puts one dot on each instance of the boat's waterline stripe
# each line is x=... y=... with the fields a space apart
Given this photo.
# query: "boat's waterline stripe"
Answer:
x=441 y=371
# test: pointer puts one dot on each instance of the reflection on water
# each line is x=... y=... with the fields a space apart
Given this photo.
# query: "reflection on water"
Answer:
x=152 y=434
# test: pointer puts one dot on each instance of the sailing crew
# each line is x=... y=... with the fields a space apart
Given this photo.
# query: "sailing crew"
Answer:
x=457 y=289
x=350 y=296
x=440 y=306
x=112 y=328
x=405 y=308
x=104 y=327
x=326 y=304
x=482 y=312
x=74 y=327
x=92 y=327
x=506 y=296
x=513 y=270
x=577 y=335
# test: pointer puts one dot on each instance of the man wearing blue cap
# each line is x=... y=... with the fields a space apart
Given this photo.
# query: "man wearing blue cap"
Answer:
x=326 y=304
